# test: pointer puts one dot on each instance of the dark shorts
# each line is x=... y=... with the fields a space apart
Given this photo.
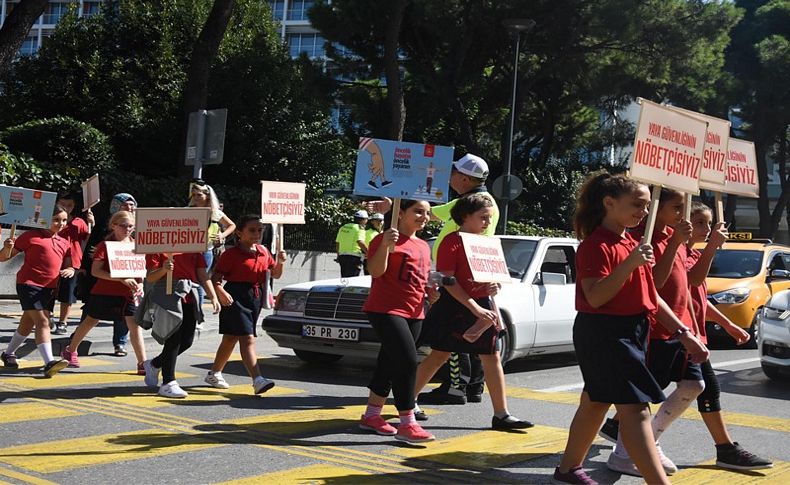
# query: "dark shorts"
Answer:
x=239 y=319
x=107 y=307
x=35 y=297
x=668 y=362
x=446 y=322
x=66 y=290
x=611 y=353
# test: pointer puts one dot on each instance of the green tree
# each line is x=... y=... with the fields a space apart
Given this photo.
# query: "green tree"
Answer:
x=16 y=27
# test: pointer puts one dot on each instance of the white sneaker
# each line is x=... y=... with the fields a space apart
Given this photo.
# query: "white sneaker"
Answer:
x=622 y=465
x=172 y=389
x=262 y=384
x=666 y=463
x=216 y=380
x=151 y=374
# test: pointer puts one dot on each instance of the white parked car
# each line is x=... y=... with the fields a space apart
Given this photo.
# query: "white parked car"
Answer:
x=323 y=320
x=774 y=335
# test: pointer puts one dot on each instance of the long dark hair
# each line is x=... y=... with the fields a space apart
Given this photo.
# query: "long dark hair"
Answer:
x=589 y=202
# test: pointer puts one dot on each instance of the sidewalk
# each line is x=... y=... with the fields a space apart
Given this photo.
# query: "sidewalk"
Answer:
x=99 y=340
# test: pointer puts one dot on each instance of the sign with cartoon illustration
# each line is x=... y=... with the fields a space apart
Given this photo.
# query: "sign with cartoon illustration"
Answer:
x=387 y=168
x=26 y=207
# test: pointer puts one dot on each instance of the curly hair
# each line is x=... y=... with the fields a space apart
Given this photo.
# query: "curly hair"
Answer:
x=589 y=201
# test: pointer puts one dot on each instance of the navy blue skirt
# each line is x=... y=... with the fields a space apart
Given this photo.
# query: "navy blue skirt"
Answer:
x=35 y=297
x=447 y=321
x=240 y=317
x=611 y=352
x=668 y=362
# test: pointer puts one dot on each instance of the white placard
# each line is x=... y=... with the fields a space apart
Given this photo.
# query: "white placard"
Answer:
x=668 y=148
x=486 y=258
x=282 y=202
x=123 y=261
x=90 y=192
x=171 y=230
x=714 y=157
x=742 y=169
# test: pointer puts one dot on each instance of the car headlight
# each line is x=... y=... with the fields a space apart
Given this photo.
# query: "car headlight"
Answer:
x=775 y=313
x=735 y=295
x=291 y=301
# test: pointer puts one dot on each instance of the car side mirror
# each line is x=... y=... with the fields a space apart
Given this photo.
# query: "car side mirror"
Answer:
x=547 y=279
x=780 y=274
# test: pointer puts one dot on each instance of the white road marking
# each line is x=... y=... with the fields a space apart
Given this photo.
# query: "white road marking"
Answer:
x=735 y=362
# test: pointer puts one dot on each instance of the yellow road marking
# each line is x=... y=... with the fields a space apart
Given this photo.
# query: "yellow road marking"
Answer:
x=75 y=378
x=23 y=477
x=31 y=411
x=312 y=475
x=201 y=394
x=236 y=357
x=708 y=473
x=25 y=364
x=556 y=397
x=491 y=449
x=49 y=457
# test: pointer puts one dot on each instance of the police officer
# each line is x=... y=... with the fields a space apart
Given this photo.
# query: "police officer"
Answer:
x=350 y=245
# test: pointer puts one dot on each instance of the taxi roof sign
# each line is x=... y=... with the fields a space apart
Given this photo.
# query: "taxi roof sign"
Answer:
x=739 y=236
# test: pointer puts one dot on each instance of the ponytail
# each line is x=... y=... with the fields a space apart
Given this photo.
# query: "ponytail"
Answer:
x=590 y=211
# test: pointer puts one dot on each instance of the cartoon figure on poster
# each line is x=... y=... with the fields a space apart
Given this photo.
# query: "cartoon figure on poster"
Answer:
x=388 y=168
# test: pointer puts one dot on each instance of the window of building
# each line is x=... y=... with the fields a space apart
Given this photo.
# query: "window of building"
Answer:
x=29 y=46
x=278 y=9
x=297 y=9
x=55 y=11
x=90 y=8
x=310 y=44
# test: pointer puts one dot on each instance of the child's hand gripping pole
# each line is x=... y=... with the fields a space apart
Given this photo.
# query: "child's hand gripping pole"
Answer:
x=478 y=329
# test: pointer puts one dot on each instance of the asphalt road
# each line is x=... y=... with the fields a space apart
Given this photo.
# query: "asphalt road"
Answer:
x=99 y=424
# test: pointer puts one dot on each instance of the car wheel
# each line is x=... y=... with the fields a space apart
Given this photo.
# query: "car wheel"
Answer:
x=504 y=345
x=754 y=333
x=317 y=357
x=772 y=372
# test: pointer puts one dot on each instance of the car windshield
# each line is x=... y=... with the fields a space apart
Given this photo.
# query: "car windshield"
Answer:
x=518 y=254
x=735 y=263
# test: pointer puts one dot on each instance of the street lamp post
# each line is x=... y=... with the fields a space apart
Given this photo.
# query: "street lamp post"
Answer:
x=515 y=27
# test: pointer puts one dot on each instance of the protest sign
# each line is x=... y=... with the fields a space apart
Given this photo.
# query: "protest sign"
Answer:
x=486 y=258
x=171 y=230
x=90 y=192
x=123 y=261
x=282 y=202
x=668 y=148
x=26 y=207
x=397 y=169
x=742 y=169
x=714 y=157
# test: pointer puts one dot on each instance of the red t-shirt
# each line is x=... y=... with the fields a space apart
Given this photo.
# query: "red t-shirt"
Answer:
x=451 y=257
x=185 y=264
x=107 y=287
x=699 y=295
x=239 y=265
x=44 y=253
x=401 y=289
x=75 y=232
x=598 y=255
x=675 y=290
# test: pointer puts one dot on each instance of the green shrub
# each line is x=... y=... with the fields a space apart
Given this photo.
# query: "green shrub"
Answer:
x=526 y=229
x=23 y=171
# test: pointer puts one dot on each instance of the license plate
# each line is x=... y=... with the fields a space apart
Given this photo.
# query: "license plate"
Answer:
x=331 y=333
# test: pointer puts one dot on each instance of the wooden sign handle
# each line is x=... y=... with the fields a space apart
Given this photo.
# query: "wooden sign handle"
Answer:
x=395 y=214
x=687 y=207
x=651 y=217
x=169 y=287
x=13 y=233
x=719 y=207
x=280 y=238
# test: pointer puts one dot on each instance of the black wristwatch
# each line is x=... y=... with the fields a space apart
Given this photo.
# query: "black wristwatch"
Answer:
x=680 y=331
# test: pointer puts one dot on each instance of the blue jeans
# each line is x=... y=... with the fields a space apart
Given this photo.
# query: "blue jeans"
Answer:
x=120 y=333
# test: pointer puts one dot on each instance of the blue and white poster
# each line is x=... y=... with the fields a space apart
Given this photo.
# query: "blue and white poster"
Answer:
x=26 y=207
x=387 y=168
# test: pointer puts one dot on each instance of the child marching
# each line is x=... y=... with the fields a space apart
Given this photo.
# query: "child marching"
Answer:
x=244 y=269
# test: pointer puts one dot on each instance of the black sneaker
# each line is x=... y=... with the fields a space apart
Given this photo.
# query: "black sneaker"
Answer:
x=474 y=396
x=735 y=457
x=54 y=366
x=509 y=422
x=440 y=398
x=420 y=415
x=60 y=329
x=609 y=430
x=9 y=361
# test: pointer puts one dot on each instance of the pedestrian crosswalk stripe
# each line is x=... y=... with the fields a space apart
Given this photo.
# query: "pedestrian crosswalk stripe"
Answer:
x=50 y=457
x=491 y=449
x=313 y=475
x=22 y=477
x=31 y=411
x=202 y=394
x=708 y=473
x=556 y=397
x=76 y=378
x=25 y=364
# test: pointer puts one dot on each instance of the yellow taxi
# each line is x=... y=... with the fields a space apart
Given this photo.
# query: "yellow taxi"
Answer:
x=745 y=273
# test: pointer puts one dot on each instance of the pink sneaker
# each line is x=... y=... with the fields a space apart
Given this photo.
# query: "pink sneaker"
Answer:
x=378 y=425
x=413 y=433
x=140 y=368
x=70 y=357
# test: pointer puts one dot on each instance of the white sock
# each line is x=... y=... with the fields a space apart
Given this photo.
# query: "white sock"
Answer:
x=16 y=341
x=45 y=350
x=677 y=402
x=417 y=408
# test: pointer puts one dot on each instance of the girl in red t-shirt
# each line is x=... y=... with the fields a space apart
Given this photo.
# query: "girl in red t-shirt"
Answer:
x=399 y=263
x=36 y=283
x=615 y=294
x=111 y=298
x=463 y=304
x=243 y=268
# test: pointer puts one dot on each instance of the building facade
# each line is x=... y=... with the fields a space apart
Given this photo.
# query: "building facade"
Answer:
x=46 y=23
